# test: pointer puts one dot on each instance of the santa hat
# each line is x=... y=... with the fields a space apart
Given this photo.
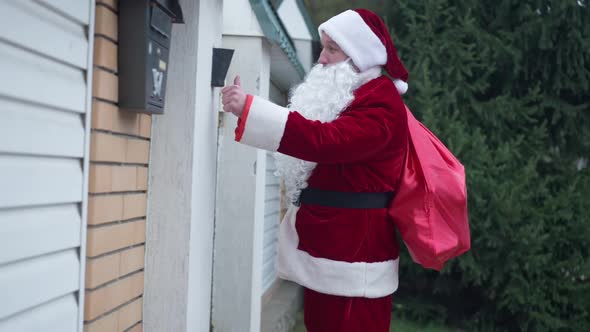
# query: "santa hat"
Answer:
x=363 y=36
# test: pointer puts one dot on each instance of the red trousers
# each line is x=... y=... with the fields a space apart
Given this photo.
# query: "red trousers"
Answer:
x=329 y=313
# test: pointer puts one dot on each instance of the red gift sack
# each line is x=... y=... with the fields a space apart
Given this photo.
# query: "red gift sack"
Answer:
x=430 y=206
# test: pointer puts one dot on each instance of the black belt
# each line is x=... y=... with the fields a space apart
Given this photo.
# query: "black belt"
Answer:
x=349 y=200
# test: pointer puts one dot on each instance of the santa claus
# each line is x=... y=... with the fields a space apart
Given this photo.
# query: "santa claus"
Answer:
x=340 y=151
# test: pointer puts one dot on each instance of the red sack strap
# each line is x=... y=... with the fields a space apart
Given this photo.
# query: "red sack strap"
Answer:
x=430 y=206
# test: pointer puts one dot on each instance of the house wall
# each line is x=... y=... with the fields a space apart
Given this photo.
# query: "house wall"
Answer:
x=293 y=20
x=273 y=212
x=239 y=228
x=305 y=53
x=119 y=155
x=176 y=205
x=246 y=25
x=298 y=31
x=243 y=300
x=46 y=68
x=182 y=179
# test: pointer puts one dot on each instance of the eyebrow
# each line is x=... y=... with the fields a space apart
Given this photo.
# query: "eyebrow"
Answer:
x=332 y=44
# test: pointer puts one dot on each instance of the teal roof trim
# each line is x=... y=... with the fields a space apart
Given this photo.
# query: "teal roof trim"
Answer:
x=275 y=31
x=313 y=29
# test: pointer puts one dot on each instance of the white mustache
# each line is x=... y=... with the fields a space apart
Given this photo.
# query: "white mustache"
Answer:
x=338 y=74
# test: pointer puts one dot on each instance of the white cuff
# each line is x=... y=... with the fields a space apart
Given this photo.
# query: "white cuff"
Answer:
x=264 y=124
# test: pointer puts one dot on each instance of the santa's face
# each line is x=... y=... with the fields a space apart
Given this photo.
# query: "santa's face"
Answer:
x=331 y=52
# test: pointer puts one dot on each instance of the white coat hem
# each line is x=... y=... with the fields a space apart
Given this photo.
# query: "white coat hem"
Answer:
x=358 y=279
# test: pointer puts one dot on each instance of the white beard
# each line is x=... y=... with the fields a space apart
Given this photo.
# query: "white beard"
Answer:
x=325 y=93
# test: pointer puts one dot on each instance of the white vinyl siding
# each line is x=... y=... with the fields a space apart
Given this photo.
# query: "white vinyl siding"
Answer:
x=45 y=64
x=31 y=232
x=272 y=207
x=57 y=315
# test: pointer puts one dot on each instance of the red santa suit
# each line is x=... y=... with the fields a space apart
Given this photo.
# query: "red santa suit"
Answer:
x=347 y=259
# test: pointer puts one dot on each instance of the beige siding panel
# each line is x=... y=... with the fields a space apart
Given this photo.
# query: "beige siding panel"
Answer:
x=110 y=148
x=106 y=147
x=106 y=23
x=105 y=85
x=134 y=206
x=124 y=179
x=119 y=320
x=107 y=116
x=105 y=53
x=126 y=122
x=114 y=4
x=100 y=178
x=138 y=151
x=107 y=178
x=102 y=115
x=113 y=295
x=132 y=260
x=136 y=328
x=142 y=178
x=130 y=314
x=107 y=323
x=105 y=208
x=34 y=130
x=145 y=126
x=105 y=239
x=102 y=269
x=29 y=232
x=110 y=267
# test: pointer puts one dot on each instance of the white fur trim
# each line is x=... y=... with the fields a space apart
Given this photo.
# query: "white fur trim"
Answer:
x=265 y=125
x=401 y=86
x=359 y=279
x=370 y=74
x=356 y=39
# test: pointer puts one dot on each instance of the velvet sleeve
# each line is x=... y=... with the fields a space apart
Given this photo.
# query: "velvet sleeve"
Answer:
x=356 y=135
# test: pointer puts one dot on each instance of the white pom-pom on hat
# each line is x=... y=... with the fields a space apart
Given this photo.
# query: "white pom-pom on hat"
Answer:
x=401 y=86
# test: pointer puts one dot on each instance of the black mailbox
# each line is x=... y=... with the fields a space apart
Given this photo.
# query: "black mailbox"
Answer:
x=145 y=31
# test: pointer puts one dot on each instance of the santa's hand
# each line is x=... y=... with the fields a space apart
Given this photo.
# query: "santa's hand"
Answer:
x=234 y=98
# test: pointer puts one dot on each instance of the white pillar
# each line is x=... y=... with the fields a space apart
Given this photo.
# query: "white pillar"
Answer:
x=181 y=206
x=239 y=224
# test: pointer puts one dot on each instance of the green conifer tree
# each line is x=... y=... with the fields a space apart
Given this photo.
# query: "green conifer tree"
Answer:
x=506 y=85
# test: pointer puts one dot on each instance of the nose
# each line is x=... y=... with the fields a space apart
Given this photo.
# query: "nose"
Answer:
x=323 y=59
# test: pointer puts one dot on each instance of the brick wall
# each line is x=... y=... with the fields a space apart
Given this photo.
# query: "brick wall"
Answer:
x=119 y=155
